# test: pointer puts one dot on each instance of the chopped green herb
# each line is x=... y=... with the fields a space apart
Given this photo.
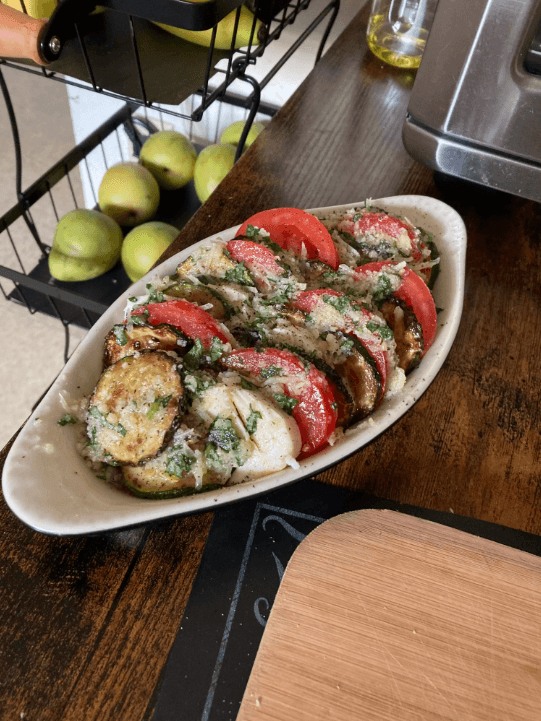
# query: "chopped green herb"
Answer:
x=340 y=302
x=216 y=350
x=346 y=236
x=67 y=420
x=93 y=442
x=383 y=287
x=154 y=295
x=196 y=385
x=247 y=385
x=331 y=276
x=239 y=274
x=162 y=402
x=102 y=420
x=251 y=421
x=192 y=359
x=140 y=319
x=286 y=403
x=251 y=231
x=120 y=334
x=346 y=346
x=382 y=330
x=270 y=371
x=179 y=463
x=222 y=434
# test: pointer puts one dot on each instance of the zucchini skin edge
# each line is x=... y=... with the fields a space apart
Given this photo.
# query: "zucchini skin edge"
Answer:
x=172 y=492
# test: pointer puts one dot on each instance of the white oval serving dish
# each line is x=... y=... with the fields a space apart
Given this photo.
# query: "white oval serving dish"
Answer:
x=49 y=487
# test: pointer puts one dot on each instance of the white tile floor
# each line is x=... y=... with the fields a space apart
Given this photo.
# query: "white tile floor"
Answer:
x=33 y=345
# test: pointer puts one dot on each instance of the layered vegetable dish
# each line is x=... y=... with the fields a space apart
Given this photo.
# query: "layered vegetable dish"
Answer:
x=261 y=351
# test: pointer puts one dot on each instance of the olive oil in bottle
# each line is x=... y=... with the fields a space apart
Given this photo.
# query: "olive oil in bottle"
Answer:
x=398 y=44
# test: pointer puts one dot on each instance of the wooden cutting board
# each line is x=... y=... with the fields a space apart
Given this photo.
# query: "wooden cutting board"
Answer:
x=385 y=616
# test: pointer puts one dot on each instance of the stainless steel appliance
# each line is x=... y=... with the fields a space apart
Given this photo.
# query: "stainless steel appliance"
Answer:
x=475 y=107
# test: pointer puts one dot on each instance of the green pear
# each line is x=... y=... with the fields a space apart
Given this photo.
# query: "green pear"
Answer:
x=224 y=31
x=129 y=194
x=144 y=245
x=233 y=132
x=170 y=157
x=70 y=269
x=212 y=165
x=86 y=244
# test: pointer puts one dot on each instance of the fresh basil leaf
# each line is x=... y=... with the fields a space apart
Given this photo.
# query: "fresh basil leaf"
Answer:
x=239 y=274
x=247 y=385
x=102 y=420
x=178 y=463
x=251 y=232
x=286 y=403
x=121 y=337
x=270 y=371
x=192 y=359
x=251 y=421
x=162 y=402
x=382 y=330
x=383 y=287
x=67 y=420
x=222 y=434
x=216 y=350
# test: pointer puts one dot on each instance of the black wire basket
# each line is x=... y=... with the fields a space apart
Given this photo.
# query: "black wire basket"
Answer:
x=154 y=71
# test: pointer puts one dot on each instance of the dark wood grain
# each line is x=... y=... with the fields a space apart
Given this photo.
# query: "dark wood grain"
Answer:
x=87 y=623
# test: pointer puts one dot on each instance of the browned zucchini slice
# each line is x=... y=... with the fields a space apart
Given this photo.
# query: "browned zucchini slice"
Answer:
x=135 y=407
x=202 y=295
x=174 y=472
x=407 y=330
x=362 y=379
x=124 y=340
x=155 y=482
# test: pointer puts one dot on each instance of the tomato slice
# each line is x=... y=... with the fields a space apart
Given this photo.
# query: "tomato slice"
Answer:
x=378 y=222
x=307 y=301
x=315 y=411
x=416 y=295
x=192 y=320
x=292 y=228
x=259 y=260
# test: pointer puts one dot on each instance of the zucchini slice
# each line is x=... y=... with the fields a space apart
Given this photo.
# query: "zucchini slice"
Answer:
x=156 y=483
x=202 y=295
x=126 y=339
x=407 y=330
x=361 y=377
x=135 y=408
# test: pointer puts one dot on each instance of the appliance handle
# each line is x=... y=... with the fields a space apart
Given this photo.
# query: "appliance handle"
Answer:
x=20 y=35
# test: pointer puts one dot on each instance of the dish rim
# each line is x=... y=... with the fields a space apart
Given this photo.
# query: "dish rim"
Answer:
x=42 y=517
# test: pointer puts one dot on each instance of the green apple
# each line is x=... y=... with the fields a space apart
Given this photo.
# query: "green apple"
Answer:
x=86 y=244
x=129 y=193
x=170 y=157
x=233 y=132
x=212 y=165
x=143 y=246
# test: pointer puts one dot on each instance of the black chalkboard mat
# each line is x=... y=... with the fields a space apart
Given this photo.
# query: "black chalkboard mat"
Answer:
x=248 y=548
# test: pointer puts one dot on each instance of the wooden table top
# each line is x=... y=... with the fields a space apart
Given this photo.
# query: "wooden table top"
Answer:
x=88 y=622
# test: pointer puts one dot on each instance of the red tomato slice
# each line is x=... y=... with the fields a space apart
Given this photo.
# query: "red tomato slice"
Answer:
x=416 y=295
x=291 y=228
x=192 y=320
x=259 y=259
x=308 y=299
x=315 y=412
x=383 y=223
